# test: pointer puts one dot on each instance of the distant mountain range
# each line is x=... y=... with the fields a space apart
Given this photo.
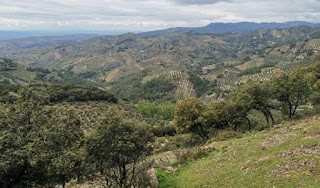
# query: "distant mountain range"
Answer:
x=220 y=28
x=9 y=35
x=213 y=28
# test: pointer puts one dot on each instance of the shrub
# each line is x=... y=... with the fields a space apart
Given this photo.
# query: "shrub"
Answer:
x=166 y=130
x=226 y=135
x=182 y=141
x=164 y=110
x=192 y=154
x=165 y=179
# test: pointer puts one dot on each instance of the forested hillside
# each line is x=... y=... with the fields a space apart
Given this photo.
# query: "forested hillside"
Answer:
x=14 y=73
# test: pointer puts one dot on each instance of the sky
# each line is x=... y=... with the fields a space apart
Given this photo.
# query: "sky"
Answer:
x=144 y=15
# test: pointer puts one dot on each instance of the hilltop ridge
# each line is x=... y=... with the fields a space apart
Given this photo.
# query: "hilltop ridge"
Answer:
x=237 y=27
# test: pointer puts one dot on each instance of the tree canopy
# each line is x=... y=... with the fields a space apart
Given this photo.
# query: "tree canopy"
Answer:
x=117 y=147
x=188 y=117
x=39 y=146
x=291 y=90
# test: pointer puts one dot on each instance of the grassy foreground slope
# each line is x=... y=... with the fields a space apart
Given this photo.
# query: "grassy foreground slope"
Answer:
x=285 y=156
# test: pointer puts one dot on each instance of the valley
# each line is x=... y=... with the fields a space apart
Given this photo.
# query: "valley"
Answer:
x=182 y=107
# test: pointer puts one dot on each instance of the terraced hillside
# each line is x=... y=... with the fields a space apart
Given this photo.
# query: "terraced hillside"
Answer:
x=91 y=111
x=223 y=59
x=287 y=155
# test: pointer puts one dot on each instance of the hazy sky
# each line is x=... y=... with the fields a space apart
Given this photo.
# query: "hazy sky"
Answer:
x=148 y=14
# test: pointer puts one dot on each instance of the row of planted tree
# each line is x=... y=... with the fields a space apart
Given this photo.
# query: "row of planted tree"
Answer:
x=283 y=93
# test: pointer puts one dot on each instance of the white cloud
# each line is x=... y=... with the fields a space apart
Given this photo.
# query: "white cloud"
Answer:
x=148 y=14
x=199 y=2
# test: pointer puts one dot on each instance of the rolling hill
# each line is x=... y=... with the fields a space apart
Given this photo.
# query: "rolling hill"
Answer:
x=14 y=73
x=219 y=60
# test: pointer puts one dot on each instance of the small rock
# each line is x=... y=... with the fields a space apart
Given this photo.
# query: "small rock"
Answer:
x=169 y=169
x=153 y=178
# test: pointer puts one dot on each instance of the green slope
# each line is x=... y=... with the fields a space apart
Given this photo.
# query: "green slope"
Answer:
x=285 y=156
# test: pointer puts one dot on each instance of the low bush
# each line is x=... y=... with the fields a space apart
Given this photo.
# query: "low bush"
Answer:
x=158 y=109
x=226 y=135
x=165 y=179
x=166 y=130
x=182 y=141
x=192 y=154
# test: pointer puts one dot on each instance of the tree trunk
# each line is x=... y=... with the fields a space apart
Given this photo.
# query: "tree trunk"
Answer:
x=249 y=123
x=266 y=116
x=290 y=109
x=272 y=119
x=123 y=176
x=203 y=134
x=295 y=108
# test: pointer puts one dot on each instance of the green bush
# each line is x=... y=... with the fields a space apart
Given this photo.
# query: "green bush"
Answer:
x=182 y=141
x=192 y=154
x=159 y=109
x=166 y=180
x=226 y=135
x=166 y=130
